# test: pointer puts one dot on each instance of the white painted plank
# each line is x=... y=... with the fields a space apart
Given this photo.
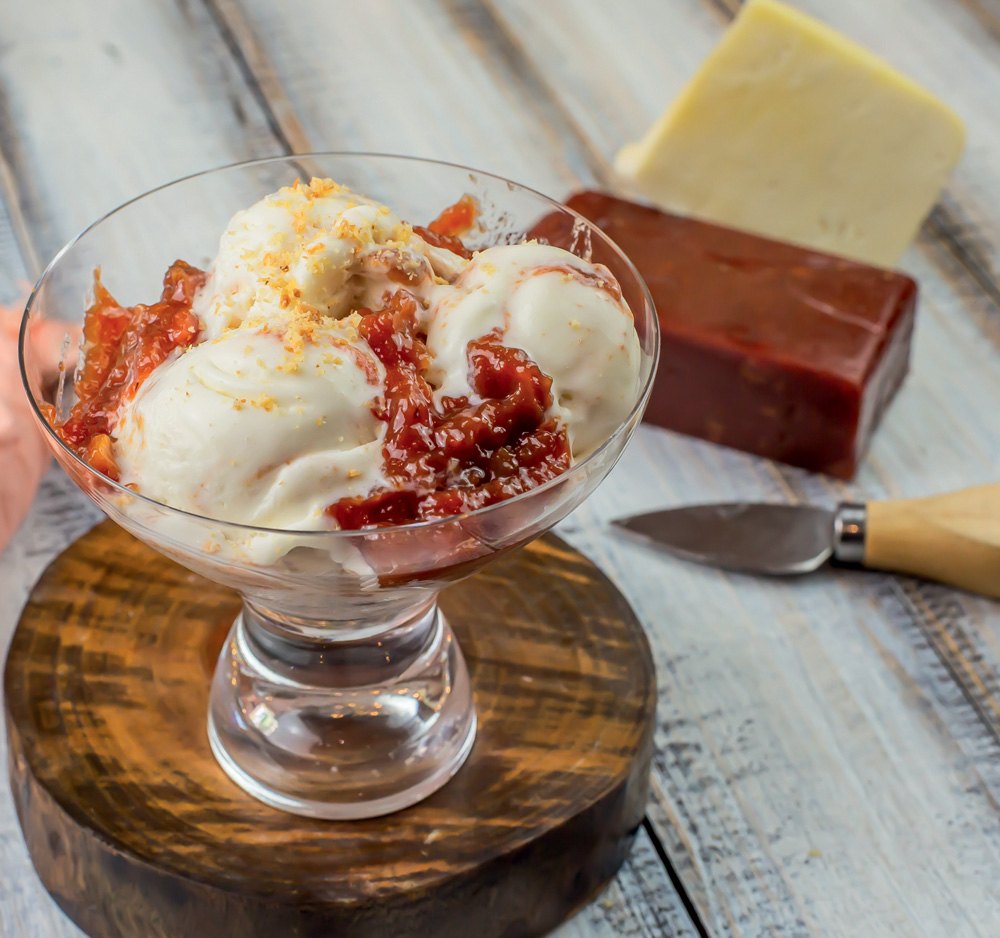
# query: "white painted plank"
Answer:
x=106 y=99
x=405 y=82
x=171 y=101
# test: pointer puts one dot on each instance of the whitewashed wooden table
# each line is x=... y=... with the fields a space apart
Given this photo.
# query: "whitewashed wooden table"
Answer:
x=828 y=753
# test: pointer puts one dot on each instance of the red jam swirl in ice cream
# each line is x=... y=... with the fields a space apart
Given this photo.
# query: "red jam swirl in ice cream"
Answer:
x=449 y=459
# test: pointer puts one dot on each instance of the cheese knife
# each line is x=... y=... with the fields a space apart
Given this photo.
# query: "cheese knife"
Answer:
x=952 y=538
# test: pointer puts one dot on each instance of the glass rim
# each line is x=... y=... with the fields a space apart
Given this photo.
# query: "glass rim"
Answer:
x=120 y=489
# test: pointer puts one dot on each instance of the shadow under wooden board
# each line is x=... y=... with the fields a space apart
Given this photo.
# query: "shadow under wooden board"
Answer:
x=135 y=831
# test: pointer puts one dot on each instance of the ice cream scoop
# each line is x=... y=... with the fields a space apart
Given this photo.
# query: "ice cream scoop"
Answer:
x=258 y=426
x=566 y=314
x=321 y=245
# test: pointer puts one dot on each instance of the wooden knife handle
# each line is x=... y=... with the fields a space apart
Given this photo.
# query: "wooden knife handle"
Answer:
x=952 y=538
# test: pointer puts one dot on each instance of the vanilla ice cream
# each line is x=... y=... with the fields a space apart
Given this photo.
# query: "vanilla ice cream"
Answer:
x=319 y=246
x=566 y=314
x=280 y=408
x=241 y=428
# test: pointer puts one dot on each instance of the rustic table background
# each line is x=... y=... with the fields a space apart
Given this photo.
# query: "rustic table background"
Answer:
x=828 y=753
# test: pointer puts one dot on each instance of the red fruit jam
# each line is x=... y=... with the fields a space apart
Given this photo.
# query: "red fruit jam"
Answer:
x=446 y=230
x=453 y=458
x=122 y=346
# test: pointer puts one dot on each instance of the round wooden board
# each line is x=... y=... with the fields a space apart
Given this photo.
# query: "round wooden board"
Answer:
x=135 y=830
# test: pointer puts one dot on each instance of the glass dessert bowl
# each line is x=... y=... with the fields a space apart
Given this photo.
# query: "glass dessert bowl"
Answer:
x=340 y=691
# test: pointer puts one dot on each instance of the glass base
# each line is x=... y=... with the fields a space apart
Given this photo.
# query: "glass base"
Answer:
x=343 y=729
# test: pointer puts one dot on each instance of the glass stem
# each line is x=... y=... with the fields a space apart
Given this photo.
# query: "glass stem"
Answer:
x=323 y=657
x=328 y=723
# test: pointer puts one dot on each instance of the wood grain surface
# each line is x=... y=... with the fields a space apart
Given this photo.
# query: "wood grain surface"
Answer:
x=137 y=833
x=828 y=751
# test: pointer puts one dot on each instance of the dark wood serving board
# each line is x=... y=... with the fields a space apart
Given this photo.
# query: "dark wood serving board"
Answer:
x=135 y=831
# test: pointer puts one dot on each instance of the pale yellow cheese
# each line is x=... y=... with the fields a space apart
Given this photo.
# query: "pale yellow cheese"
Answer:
x=791 y=131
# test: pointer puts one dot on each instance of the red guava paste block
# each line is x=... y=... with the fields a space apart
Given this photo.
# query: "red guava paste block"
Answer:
x=766 y=347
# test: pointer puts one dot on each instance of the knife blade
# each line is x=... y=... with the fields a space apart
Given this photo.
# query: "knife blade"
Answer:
x=767 y=539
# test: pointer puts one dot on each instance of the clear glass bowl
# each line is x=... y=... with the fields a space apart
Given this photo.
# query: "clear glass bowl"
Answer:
x=341 y=691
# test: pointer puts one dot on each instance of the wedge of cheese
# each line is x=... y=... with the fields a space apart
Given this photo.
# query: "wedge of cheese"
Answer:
x=790 y=130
